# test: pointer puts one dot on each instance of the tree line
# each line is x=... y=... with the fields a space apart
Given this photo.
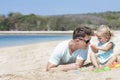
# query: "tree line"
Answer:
x=33 y=22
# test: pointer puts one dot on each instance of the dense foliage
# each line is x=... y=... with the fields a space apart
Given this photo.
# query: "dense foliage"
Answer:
x=32 y=22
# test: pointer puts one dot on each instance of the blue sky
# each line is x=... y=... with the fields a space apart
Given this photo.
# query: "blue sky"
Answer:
x=58 y=7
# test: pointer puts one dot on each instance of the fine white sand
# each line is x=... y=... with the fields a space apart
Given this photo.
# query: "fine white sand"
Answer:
x=28 y=62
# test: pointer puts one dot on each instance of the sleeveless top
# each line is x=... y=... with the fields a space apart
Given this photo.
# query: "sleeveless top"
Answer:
x=104 y=56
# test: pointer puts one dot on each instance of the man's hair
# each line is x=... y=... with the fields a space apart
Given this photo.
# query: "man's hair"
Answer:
x=81 y=31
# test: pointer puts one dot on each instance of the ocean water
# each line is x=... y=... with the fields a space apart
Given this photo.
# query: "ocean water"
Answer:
x=16 y=40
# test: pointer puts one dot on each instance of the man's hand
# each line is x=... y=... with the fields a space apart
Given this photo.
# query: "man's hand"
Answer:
x=94 y=48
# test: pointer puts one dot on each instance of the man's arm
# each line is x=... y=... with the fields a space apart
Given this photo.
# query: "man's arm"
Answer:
x=79 y=63
x=51 y=66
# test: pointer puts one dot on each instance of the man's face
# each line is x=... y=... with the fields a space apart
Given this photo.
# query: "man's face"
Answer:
x=84 y=42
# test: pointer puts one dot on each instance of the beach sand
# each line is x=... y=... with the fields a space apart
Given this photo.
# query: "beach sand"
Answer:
x=28 y=62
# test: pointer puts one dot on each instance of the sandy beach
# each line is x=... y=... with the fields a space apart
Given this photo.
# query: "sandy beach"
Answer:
x=28 y=62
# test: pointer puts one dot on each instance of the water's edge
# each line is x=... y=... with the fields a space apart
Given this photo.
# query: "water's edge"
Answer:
x=36 y=32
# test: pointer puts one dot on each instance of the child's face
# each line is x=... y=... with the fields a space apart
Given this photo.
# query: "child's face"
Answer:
x=101 y=38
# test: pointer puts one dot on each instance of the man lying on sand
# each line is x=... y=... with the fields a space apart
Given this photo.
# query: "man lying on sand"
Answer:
x=71 y=54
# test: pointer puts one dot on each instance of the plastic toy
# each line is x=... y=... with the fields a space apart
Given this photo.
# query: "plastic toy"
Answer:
x=115 y=65
x=108 y=68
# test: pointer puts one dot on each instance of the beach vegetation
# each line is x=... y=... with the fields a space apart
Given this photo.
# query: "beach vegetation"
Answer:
x=32 y=22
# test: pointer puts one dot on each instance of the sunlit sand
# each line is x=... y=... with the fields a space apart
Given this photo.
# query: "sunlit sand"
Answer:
x=28 y=62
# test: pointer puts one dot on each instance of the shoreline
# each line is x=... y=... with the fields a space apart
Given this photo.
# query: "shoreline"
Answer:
x=36 y=32
x=30 y=44
x=41 y=32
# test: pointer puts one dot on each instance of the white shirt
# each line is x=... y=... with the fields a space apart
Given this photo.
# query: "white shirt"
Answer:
x=61 y=54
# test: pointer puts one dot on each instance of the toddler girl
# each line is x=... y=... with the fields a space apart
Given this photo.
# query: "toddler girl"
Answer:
x=104 y=48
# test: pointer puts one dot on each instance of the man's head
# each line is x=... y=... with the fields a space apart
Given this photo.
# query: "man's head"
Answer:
x=82 y=34
x=82 y=31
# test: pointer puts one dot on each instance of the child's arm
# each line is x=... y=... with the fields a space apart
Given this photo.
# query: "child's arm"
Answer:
x=105 y=48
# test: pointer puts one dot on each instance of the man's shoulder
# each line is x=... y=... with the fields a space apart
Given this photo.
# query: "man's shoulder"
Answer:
x=62 y=45
x=66 y=42
x=81 y=51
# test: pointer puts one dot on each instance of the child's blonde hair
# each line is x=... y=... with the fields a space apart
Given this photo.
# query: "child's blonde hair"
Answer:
x=105 y=31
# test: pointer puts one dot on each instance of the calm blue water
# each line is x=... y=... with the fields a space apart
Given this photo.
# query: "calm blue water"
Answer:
x=6 y=41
